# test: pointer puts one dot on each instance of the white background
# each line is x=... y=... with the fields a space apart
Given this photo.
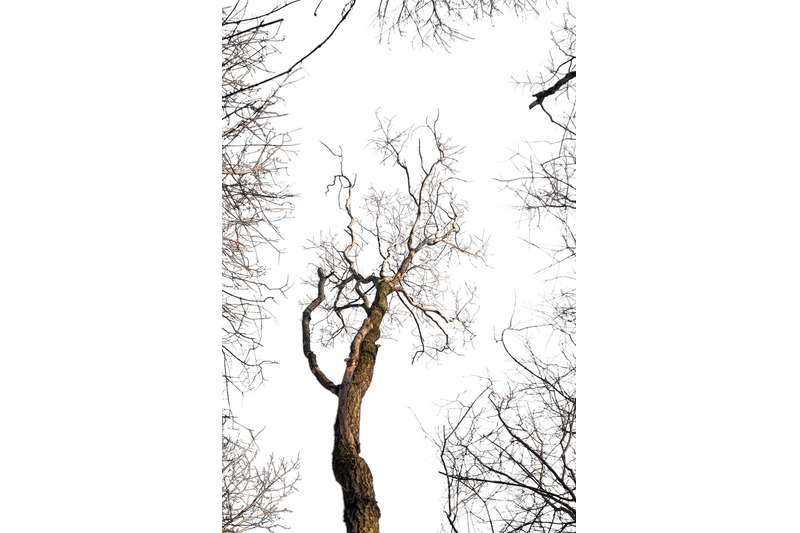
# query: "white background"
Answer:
x=688 y=286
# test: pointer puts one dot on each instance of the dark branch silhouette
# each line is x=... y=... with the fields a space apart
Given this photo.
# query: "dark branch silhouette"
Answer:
x=541 y=95
x=293 y=68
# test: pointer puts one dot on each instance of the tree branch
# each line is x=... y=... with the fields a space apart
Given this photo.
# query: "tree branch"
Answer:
x=345 y=13
x=312 y=358
x=541 y=95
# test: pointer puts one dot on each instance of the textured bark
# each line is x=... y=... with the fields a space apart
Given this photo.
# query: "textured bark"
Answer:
x=361 y=512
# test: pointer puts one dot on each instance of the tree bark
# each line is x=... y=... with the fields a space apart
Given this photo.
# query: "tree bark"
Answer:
x=361 y=512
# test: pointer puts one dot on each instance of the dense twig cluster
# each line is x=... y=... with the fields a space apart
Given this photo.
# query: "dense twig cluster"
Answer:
x=254 y=200
x=253 y=495
x=408 y=238
x=441 y=21
x=509 y=455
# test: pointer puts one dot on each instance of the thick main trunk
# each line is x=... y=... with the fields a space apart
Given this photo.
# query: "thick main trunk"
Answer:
x=361 y=512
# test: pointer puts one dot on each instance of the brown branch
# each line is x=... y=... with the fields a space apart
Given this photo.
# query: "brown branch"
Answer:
x=312 y=358
x=541 y=95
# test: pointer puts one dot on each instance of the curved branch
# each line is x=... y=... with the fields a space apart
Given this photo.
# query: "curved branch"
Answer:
x=312 y=358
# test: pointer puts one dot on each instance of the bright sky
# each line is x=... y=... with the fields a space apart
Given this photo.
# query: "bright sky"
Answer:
x=479 y=108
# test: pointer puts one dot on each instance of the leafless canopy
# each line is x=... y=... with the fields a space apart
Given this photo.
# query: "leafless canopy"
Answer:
x=254 y=199
x=408 y=239
x=441 y=21
x=253 y=495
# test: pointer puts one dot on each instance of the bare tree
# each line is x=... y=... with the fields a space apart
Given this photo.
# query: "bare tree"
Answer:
x=254 y=201
x=508 y=455
x=254 y=198
x=391 y=266
x=252 y=495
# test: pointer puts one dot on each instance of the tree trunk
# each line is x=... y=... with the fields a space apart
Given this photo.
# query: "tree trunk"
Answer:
x=361 y=512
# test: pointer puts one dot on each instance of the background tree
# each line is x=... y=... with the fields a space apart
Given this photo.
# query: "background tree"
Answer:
x=392 y=265
x=254 y=197
x=252 y=496
x=545 y=188
x=509 y=454
x=254 y=201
